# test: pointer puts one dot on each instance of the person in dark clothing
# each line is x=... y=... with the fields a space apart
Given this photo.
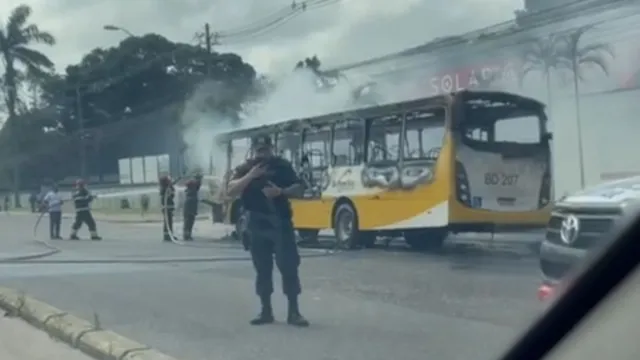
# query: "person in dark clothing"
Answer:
x=190 y=209
x=167 y=195
x=33 y=201
x=82 y=199
x=264 y=184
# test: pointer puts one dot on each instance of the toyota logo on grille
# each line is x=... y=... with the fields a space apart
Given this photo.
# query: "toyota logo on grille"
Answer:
x=569 y=230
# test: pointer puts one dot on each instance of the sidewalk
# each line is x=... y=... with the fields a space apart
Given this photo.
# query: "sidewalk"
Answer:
x=21 y=341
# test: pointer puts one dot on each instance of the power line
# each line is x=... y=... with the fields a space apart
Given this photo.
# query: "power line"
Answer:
x=233 y=40
x=108 y=81
x=265 y=20
x=275 y=22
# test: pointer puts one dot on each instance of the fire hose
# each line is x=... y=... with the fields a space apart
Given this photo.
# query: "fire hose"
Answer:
x=52 y=250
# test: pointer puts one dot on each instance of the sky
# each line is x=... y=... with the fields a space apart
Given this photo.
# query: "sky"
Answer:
x=343 y=32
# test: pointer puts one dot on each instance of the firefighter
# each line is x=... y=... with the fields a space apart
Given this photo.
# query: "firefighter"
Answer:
x=264 y=184
x=167 y=195
x=190 y=208
x=82 y=199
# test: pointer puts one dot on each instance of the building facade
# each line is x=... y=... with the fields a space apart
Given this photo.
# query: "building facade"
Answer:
x=532 y=60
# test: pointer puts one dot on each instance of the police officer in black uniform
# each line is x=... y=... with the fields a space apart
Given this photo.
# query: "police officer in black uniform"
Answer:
x=167 y=195
x=190 y=209
x=264 y=184
x=82 y=199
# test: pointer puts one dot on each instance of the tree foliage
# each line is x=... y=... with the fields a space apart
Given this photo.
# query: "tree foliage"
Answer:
x=20 y=60
x=140 y=75
x=112 y=94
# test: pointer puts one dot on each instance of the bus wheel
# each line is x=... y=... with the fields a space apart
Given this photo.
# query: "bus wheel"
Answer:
x=426 y=239
x=308 y=236
x=345 y=227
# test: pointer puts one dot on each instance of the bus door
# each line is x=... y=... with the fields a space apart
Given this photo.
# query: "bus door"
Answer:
x=502 y=153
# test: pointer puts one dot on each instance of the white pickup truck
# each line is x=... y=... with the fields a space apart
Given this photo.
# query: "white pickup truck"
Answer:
x=582 y=223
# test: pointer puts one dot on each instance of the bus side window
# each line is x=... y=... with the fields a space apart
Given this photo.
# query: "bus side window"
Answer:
x=348 y=143
x=289 y=147
x=425 y=130
x=316 y=146
x=384 y=139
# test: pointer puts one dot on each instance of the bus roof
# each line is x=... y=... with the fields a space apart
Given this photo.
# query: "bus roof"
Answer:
x=368 y=112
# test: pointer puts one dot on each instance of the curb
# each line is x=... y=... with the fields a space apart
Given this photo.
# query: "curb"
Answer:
x=81 y=334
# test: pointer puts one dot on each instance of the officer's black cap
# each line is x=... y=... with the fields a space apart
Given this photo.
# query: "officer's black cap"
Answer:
x=261 y=141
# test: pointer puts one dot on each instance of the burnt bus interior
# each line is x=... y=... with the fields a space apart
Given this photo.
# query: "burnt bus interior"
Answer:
x=505 y=124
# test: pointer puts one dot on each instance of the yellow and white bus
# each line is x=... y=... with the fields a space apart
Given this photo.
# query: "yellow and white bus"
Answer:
x=471 y=161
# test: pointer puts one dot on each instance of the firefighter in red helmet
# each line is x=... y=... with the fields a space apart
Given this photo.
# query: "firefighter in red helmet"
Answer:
x=167 y=194
x=82 y=199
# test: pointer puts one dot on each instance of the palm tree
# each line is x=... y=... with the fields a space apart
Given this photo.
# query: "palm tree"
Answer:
x=15 y=39
x=578 y=57
x=544 y=55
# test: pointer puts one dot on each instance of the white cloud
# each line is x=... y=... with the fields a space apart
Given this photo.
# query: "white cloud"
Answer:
x=350 y=30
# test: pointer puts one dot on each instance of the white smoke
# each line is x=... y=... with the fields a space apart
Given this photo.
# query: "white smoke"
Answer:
x=296 y=95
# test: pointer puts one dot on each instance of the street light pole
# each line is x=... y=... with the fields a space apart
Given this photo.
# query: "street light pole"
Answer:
x=79 y=114
x=118 y=28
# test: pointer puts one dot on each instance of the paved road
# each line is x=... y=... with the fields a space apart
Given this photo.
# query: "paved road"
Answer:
x=373 y=304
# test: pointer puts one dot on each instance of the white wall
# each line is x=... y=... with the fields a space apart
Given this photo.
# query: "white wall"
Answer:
x=610 y=134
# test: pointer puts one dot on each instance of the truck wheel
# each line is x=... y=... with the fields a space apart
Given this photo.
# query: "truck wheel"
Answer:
x=426 y=239
x=345 y=227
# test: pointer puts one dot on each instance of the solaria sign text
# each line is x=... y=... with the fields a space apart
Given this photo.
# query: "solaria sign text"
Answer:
x=473 y=77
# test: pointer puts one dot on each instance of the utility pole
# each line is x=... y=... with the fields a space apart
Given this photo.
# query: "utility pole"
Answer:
x=83 y=154
x=209 y=40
